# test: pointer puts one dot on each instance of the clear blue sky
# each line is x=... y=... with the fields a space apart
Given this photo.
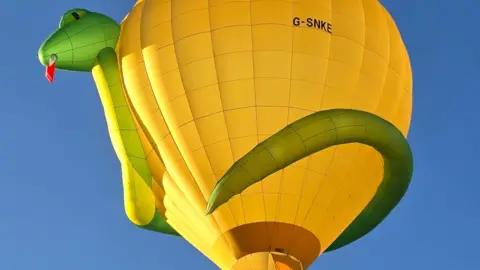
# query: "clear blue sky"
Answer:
x=61 y=202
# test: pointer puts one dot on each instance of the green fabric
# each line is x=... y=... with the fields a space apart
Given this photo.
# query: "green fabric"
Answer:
x=317 y=132
x=68 y=17
x=107 y=59
x=77 y=42
x=159 y=224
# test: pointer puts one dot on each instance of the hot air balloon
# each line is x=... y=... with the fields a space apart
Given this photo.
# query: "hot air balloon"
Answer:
x=263 y=132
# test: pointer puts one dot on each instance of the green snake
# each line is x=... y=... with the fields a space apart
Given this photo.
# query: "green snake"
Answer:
x=86 y=39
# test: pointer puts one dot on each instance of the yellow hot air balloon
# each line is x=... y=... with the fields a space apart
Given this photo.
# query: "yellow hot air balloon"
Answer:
x=284 y=119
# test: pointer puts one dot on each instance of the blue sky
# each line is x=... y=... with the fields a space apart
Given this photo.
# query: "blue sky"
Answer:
x=61 y=202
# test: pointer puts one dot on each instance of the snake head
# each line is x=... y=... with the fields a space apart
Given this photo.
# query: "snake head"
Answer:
x=80 y=36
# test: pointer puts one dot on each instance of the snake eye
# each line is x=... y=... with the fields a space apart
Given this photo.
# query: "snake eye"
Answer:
x=72 y=16
x=76 y=16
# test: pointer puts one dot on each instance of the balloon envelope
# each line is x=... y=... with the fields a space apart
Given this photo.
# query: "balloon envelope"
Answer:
x=209 y=80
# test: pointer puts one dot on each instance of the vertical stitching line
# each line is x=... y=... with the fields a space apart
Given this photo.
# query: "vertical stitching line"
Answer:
x=191 y=175
x=256 y=110
x=221 y=104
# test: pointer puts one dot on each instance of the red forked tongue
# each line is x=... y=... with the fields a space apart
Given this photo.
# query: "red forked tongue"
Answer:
x=50 y=70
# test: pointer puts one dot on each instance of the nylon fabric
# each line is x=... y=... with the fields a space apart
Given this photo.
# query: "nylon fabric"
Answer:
x=212 y=79
x=139 y=199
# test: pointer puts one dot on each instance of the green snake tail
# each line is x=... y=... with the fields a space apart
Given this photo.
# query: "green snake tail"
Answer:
x=315 y=133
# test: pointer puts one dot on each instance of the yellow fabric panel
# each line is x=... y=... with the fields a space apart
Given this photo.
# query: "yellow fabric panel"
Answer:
x=159 y=194
x=173 y=101
x=143 y=99
x=202 y=232
x=156 y=166
x=204 y=229
x=185 y=228
x=211 y=79
x=138 y=197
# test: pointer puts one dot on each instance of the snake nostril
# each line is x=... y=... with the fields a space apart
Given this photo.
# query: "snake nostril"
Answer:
x=52 y=59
